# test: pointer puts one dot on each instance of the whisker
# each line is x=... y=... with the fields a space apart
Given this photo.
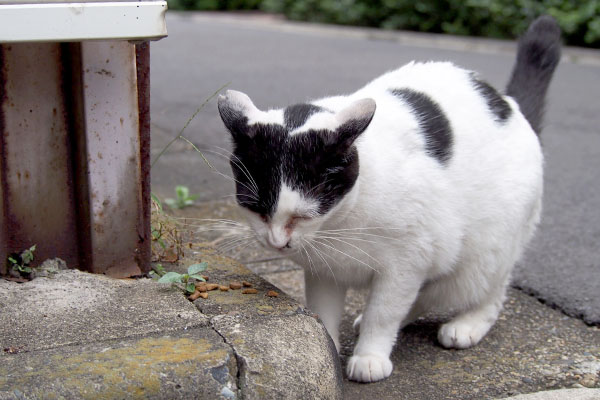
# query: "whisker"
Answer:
x=233 y=244
x=358 y=233
x=337 y=237
x=236 y=195
x=238 y=163
x=239 y=251
x=347 y=255
x=246 y=170
x=312 y=266
x=359 y=249
x=228 y=221
x=320 y=254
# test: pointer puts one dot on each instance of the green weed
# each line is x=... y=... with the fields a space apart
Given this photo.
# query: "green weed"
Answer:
x=182 y=198
x=186 y=282
x=21 y=262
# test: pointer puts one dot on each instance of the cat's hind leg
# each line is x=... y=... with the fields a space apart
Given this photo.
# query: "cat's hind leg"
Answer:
x=417 y=310
x=469 y=327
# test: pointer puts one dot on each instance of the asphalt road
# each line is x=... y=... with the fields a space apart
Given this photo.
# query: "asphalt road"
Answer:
x=280 y=63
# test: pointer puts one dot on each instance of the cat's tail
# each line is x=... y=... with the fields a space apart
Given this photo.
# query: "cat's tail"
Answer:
x=537 y=57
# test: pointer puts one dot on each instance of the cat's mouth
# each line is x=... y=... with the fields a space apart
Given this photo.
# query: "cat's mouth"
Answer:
x=281 y=249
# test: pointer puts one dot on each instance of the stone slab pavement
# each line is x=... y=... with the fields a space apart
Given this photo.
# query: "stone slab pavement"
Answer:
x=74 y=335
x=279 y=63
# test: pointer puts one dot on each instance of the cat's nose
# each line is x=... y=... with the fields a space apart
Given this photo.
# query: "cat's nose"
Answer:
x=278 y=241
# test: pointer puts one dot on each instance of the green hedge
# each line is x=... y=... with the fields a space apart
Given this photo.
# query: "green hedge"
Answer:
x=579 y=19
x=214 y=5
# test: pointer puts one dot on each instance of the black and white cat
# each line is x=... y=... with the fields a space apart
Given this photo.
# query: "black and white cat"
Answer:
x=425 y=186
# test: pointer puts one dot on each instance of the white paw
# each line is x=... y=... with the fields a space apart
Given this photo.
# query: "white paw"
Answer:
x=462 y=335
x=356 y=323
x=368 y=368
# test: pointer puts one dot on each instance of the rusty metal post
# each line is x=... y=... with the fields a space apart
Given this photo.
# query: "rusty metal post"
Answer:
x=74 y=154
x=36 y=176
x=142 y=56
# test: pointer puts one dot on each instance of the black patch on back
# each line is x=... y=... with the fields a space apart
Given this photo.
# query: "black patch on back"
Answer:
x=496 y=104
x=433 y=122
x=295 y=116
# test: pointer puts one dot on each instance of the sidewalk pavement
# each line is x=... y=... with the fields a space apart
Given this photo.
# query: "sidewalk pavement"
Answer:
x=77 y=335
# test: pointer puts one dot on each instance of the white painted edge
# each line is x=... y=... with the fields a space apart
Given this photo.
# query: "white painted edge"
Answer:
x=56 y=22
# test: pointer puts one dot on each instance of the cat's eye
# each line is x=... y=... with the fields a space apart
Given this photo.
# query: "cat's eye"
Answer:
x=296 y=218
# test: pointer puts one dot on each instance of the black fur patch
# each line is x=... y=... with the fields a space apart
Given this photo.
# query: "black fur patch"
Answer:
x=537 y=58
x=256 y=168
x=433 y=122
x=319 y=168
x=497 y=105
x=295 y=116
x=323 y=165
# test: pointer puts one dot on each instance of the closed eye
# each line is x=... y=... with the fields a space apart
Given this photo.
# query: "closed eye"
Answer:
x=297 y=218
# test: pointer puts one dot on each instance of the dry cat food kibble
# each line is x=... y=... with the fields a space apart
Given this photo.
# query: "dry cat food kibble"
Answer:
x=201 y=287
x=212 y=286
x=223 y=288
x=194 y=295
x=272 y=293
x=235 y=285
x=204 y=295
x=249 y=291
x=246 y=284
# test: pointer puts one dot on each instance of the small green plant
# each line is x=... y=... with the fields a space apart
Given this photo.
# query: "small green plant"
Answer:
x=187 y=280
x=182 y=198
x=21 y=262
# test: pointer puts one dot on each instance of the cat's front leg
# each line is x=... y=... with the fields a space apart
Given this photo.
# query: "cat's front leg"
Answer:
x=326 y=298
x=388 y=304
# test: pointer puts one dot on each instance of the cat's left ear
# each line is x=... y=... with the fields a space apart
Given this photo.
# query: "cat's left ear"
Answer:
x=236 y=108
x=354 y=120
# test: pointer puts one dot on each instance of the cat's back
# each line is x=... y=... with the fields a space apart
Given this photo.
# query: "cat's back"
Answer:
x=439 y=123
x=449 y=115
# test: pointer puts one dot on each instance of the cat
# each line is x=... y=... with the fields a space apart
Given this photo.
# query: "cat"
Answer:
x=424 y=186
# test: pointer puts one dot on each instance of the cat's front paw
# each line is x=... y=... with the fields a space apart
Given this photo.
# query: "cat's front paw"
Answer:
x=368 y=368
x=461 y=334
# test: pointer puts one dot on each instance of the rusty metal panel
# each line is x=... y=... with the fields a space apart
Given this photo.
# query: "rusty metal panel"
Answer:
x=36 y=167
x=113 y=155
x=142 y=56
x=74 y=154
x=3 y=239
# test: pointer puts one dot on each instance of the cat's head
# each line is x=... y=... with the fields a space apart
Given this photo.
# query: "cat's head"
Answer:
x=294 y=166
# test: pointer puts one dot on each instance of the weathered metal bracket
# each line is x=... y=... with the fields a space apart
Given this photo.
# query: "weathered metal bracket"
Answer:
x=74 y=154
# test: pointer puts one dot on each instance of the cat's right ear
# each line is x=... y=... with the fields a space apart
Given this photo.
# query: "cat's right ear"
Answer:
x=354 y=120
x=236 y=109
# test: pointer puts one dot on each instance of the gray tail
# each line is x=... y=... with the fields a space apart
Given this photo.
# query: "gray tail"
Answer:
x=537 y=58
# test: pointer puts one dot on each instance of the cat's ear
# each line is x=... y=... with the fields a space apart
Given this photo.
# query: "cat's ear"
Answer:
x=353 y=120
x=235 y=109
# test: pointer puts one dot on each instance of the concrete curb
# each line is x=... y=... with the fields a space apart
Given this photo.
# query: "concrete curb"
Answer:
x=562 y=394
x=78 y=335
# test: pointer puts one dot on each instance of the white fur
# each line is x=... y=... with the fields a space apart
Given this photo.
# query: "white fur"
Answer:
x=419 y=234
x=241 y=102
